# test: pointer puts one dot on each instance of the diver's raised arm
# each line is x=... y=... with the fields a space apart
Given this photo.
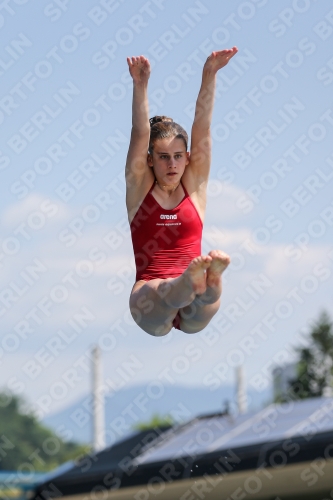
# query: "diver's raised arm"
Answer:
x=200 y=135
x=139 y=69
x=137 y=171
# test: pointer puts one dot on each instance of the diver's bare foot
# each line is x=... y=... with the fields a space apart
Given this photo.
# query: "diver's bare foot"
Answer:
x=220 y=262
x=196 y=273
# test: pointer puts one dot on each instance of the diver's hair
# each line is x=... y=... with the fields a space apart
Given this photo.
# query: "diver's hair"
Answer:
x=162 y=127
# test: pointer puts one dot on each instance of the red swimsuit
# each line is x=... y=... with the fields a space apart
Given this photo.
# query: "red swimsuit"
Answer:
x=165 y=241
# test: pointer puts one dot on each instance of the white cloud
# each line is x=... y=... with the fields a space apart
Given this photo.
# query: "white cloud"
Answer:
x=33 y=210
x=87 y=267
x=222 y=202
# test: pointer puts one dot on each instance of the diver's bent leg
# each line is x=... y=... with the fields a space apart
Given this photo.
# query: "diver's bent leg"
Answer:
x=196 y=316
x=149 y=310
x=194 y=319
x=154 y=304
x=181 y=291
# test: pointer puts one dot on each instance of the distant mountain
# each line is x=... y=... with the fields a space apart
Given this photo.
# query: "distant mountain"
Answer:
x=126 y=407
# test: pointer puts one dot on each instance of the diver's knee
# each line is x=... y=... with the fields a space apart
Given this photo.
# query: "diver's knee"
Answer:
x=150 y=328
x=193 y=327
x=159 y=331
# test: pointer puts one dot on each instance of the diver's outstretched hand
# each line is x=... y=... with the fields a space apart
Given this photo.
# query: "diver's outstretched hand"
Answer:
x=219 y=59
x=139 y=68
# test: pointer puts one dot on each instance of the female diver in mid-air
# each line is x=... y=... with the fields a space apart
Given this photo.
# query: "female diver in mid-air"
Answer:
x=166 y=186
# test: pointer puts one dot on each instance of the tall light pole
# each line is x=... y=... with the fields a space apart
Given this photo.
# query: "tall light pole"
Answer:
x=97 y=401
x=241 y=390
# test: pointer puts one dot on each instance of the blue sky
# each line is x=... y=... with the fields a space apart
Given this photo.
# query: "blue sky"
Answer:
x=65 y=251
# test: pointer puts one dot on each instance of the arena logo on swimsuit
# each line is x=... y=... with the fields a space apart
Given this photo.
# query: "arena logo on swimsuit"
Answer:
x=167 y=216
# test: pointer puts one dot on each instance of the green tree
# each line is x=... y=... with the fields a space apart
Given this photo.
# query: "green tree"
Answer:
x=27 y=445
x=315 y=363
x=155 y=421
